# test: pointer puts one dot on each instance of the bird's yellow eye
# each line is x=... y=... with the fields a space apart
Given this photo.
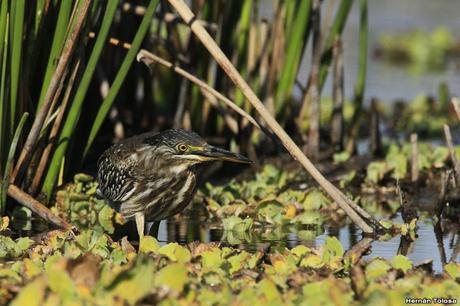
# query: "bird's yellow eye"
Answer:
x=182 y=147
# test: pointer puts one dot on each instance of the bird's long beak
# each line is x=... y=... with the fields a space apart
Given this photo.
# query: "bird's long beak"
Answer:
x=209 y=152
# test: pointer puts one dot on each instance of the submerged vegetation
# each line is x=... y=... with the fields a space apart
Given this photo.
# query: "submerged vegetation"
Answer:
x=422 y=50
x=70 y=86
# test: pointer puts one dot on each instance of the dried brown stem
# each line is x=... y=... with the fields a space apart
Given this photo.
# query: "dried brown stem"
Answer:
x=289 y=144
x=376 y=137
x=438 y=233
x=277 y=52
x=357 y=251
x=337 y=131
x=456 y=104
x=139 y=10
x=53 y=135
x=57 y=78
x=453 y=157
x=414 y=158
x=313 y=95
x=38 y=208
x=456 y=250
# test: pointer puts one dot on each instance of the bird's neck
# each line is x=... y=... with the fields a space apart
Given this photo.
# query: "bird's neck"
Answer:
x=179 y=169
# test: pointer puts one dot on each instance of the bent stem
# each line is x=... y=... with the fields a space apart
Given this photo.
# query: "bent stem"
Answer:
x=38 y=208
x=149 y=58
x=288 y=143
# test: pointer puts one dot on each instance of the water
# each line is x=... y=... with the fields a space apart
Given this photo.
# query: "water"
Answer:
x=432 y=244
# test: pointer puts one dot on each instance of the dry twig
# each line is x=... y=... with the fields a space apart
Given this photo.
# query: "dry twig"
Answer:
x=456 y=104
x=414 y=158
x=453 y=157
x=358 y=250
x=53 y=134
x=337 y=131
x=38 y=208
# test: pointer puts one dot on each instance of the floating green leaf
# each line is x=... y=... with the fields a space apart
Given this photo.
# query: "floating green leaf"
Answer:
x=32 y=294
x=212 y=259
x=334 y=246
x=149 y=244
x=133 y=284
x=401 y=262
x=173 y=276
x=234 y=223
x=453 y=269
x=59 y=280
x=377 y=268
x=175 y=252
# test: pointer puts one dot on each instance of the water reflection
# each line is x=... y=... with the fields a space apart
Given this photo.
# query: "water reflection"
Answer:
x=391 y=82
x=437 y=242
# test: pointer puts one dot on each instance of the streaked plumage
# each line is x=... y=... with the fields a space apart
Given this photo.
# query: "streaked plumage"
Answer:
x=153 y=176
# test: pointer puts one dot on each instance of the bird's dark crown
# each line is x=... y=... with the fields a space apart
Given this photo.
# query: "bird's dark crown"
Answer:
x=173 y=137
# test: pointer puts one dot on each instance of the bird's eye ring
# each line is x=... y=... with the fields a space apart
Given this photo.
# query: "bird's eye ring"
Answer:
x=182 y=147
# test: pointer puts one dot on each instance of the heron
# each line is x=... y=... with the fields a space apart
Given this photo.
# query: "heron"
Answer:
x=152 y=176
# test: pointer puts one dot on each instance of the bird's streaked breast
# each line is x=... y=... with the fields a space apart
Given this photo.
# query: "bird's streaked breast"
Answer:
x=170 y=200
x=182 y=195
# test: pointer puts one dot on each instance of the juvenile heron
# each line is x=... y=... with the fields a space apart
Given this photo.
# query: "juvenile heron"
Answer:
x=152 y=176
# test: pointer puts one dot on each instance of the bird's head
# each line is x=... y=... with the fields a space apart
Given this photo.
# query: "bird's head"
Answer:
x=186 y=148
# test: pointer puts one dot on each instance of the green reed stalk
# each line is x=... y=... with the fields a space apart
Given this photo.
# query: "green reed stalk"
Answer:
x=4 y=21
x=38 y=16
x=291 y=9
x=9 y=164
x=18 y=8
x=336 y=30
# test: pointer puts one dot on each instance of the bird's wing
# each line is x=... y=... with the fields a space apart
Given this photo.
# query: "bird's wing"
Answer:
x=116 y=181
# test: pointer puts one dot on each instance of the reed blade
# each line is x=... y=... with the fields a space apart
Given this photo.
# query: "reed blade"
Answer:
x=17 y=27
x=9 y=164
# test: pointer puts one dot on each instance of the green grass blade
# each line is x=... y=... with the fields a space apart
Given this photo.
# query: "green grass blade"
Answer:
x=295 y=45
x=336 y=29
x=9 y=163
x=4 y=24
x=16 y=52
x=291 y=8
x=243 y=27
x=122 y=72
x=76 y=106
x=363 y=38
x=39 y=16
x=58 y=40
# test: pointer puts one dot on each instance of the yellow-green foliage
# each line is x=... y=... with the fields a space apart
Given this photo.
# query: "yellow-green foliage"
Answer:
x=93 y=269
